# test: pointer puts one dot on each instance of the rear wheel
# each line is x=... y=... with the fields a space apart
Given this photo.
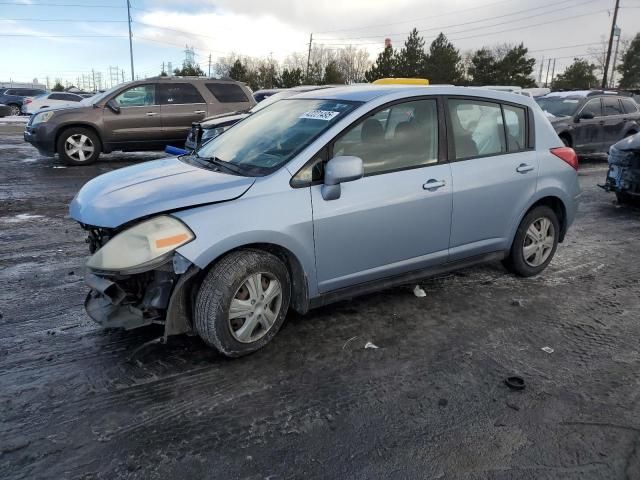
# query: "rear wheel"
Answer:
x=15 y=109
x=535 y=242
x=78 y=146
x=242 y=302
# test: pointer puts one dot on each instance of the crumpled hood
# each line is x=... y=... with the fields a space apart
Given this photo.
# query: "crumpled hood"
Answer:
x=118 y=197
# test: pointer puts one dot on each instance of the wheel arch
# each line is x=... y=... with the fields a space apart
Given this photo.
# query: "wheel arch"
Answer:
x=557 y=205
x=67 y=126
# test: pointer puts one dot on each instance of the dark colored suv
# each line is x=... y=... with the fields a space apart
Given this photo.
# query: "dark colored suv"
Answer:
x=142 y=115
x=14 y=97
x=593 y=120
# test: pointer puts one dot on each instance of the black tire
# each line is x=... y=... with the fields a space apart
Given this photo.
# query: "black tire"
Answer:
x=78 y=131
x=220 y=285
x=15 y=109
x=515 y=262
x=622 y=197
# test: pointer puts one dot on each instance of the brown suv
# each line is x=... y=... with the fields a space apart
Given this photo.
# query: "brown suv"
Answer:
x=142 y=115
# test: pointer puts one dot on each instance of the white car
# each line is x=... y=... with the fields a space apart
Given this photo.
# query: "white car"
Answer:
x=53 y=99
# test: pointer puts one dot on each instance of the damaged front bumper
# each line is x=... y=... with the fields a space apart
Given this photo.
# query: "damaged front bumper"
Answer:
x=160 y=296
x=623 y=176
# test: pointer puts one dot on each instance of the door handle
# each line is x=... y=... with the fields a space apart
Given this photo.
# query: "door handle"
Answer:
x=151 y=114
x=199 y=111
x=524 y=168
x=432 y=184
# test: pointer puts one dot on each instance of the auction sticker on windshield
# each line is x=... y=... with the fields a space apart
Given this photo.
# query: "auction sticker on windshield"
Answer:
x=320 y=114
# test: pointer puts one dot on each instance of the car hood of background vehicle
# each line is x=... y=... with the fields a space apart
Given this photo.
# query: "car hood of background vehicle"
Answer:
x=223 y=120
x=118 y=197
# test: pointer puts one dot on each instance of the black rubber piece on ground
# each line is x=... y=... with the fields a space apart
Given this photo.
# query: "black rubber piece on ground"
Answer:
x=515 y=383
x=217 y=290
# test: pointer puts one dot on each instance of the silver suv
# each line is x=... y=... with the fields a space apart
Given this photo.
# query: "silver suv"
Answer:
x=320 y=197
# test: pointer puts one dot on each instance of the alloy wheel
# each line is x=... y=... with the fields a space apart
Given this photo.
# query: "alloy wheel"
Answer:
x=538 y=242
x=255 y=307
x=15 y=110
x=79 y=147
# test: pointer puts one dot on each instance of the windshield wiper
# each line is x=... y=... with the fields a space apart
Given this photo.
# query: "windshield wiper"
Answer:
x=222 y=164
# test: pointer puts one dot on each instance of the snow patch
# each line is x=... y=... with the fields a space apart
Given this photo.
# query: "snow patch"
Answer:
x=21 y=217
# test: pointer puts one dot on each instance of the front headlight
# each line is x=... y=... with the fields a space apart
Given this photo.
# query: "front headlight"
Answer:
x=142 y=245
x=42 y=117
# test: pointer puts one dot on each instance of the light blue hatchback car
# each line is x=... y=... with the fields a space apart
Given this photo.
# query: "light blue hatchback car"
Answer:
x=321 y=197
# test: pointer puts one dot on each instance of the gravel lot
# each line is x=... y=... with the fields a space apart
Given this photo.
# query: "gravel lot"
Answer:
x=429 y=403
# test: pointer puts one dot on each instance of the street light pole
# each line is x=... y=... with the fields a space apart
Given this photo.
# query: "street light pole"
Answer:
x=130 y=40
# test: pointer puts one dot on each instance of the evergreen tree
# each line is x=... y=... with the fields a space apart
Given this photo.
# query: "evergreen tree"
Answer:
x=58 y=87
x=314 y=76
x=291 y=78
x=189 y=70
x=483 y=68
x=411 y=61
x=332 y=74
x=579 y=75
x=238 y=71
x=515 y=68
x=630 y=66
x=384 y=67
x=443 y=64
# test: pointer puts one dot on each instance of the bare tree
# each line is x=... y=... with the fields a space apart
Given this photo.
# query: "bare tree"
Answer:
x=352 y=63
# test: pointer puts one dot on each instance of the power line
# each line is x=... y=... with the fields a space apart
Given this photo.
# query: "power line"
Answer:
x=59 y=20
x=59 y=36
x=22 y=4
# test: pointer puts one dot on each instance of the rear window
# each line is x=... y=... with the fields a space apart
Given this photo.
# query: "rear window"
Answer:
x=227 y=92
x=477 y=128
x=629 y=105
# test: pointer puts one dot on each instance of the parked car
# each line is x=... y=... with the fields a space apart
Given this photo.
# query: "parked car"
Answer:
x=591 y=121
x=320 y=197
x=210 y=128
x=623 y=176
x=261 y=95
x=142 y=115
x=46 y=100
x=14 y=97
x=5 y=110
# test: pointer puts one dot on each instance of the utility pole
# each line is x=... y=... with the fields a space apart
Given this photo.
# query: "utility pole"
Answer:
x=309 y=55
x=162 y=71
x=613 y=29
x=615 y=58
x=93 y=76
x=122 y=71
x=553 y=71
x=540 y=74
x=130 y=40
x=209 y=65
x=546 y=78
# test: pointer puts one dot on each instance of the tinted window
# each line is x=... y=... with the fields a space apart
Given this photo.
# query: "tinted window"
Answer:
x=227 y=92
x=402 y=136
x=72 y=98
x=57 y=96
x=179 y=93
x=137 y=96
x=477 y=128
x=594 y=107
x=612 y=106
x=515 y=119
x=629 y=105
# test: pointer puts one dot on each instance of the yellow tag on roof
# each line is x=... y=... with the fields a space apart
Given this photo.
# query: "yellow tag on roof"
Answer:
x=401 y=81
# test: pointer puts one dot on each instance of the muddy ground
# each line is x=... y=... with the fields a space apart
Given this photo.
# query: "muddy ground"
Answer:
x=429 y=403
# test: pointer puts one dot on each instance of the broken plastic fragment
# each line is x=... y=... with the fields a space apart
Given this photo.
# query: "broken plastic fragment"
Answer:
x=419 y=292
x=370 y=345
x=547 y=349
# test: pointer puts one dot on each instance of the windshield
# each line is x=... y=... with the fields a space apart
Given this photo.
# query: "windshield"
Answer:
x=265 y=141
x=559 y=106
x=273 y=99
x=100 y=96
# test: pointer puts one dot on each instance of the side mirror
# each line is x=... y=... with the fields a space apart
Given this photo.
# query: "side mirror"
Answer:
x=339 y=170
x=585 y=116
x=113 y=106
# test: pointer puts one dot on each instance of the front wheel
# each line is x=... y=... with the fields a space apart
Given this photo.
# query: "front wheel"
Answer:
x=535 y=242
x=242 y=302
x=78 y=146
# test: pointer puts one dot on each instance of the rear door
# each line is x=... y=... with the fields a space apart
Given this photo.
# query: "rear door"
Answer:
x=588 y=133
x=494 y=170
x=180 y=105
x=614 y=121
x=138 y=123
x=228 y=97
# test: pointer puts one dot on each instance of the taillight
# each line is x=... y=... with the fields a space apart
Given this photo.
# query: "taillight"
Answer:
x=28 y=100
x=567 y=154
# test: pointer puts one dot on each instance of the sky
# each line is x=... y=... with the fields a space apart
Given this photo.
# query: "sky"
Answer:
x=71 y=38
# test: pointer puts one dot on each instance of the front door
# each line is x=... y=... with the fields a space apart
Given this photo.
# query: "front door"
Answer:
x=138 y=123
x=181 y=105
x=588 y=133
x=494 y=174
x=397 y=218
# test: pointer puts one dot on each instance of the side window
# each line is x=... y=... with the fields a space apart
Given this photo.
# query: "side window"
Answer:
x=227 y=92
x=57 y=96
x=138 y=96
x=515 y=120
x=403 y=136
x=72 y=98
x=612 y=106
x=477 y=128
x=179 y=93
x=629 y=105
x=313 y=171
x=593 y=106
